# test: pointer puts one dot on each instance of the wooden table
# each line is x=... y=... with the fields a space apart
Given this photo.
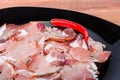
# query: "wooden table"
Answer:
x=106 y=9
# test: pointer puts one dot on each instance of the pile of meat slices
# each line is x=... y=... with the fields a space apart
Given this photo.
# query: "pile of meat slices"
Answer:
x=34 y=51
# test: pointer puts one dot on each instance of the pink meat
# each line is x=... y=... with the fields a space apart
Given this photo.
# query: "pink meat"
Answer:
x=101 y=57
x=80 y=54
x=41 y=66
x=7 y=72
x=95 y=46
x=21 y=50
x=55 y=76
x=24 y=75
x=21 y=78
x=19 y=64
x=35 y=52
x=77 y=42
x=41 y=26
x=8 y=31
x=77 y=71
x=61 y=36
x=18 y=49
x=55 y=46
x=4 y=45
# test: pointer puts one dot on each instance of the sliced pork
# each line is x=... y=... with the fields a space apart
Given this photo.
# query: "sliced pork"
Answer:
x=34 y=51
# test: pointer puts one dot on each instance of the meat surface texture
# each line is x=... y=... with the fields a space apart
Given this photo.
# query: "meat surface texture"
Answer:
x=34 y=51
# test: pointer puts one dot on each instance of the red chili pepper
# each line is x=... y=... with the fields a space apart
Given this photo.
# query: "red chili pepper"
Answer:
x=70 y=24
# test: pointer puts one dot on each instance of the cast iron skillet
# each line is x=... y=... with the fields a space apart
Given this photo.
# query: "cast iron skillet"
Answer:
x=99 y=29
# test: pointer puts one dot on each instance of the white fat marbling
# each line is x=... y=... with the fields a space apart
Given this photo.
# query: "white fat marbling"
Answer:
x=23 y=32
x=49 y=58
x=92 y=68
x=2 y=29
x=5 y=58
x=41 y=79
x=64 y=34
x=74 y=44
x=41 y=41
x=47 y=47
x=85 y=45
x=1 y=44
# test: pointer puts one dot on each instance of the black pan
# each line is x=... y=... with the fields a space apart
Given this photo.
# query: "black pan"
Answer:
x=99 y=29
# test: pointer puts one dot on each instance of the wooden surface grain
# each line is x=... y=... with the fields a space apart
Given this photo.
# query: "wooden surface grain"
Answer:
x=106 y=9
